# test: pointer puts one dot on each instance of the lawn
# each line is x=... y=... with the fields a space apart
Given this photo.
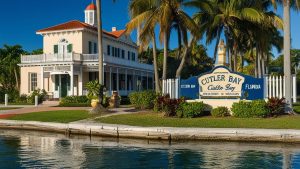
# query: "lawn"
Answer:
x=9 y=108
x=155 y=119
x=64 y=116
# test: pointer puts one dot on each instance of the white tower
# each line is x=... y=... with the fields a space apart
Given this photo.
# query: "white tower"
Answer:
x=221 y=54
x=91 y=14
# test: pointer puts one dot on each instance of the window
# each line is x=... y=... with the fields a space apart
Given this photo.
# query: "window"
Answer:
x=55 y=49
x=90 y=47
x=118 y=52
x=128 y=55
x=108 y=50
x=91 y=18
x=123 y=54
x=95 y=48
x=33 y=81
x=133 y=56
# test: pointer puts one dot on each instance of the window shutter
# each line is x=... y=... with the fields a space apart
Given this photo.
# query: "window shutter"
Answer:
x=90 y=47
x=70 y=48
x=95 y=48
x=55 y=49
x=108 y=50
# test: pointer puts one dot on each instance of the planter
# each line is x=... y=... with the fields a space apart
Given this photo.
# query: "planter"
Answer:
x=94 y=103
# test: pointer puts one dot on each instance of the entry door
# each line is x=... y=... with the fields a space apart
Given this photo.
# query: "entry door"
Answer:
x=65 y=84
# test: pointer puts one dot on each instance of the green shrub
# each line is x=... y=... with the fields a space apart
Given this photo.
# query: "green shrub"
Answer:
x=41 y=96
x=74 y=104
x=191 y=110
x=74 y=99
x=125 y=100
x=220 y=112
x=143 y=100
x=256 y=108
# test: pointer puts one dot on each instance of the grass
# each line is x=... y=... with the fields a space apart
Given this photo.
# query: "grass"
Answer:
x=64 y=116
x=154 y=119
x=9 y=108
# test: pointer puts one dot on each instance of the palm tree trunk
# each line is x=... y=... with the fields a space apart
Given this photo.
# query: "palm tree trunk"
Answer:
x=100 y=57
x=287 y=55
x=185 y=54
x=164 y=76
x=157 y=86
x=259 y=65
x=17 y=79
x=263 y=67
x=256 y=62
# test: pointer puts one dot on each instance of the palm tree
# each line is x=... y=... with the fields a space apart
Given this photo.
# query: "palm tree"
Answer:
x=167 y=14
x=227 y=17
x=287 y=48
x=100 y=55
x=11 y=57
x=138 y=9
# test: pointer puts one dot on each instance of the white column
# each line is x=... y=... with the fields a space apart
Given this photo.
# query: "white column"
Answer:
x=72 y=80
x=42 y=78
x=294 y=89
x=110 y=80
x=80 y=82
x=118 y=89
x=126 y=80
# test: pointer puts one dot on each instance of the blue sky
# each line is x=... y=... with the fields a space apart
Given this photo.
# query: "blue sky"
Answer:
x=20 y=19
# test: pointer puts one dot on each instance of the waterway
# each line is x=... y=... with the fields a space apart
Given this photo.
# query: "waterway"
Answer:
x=24 y=149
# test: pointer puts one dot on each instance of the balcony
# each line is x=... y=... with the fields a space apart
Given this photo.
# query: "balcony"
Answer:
x=84 y=58
x=46 y=58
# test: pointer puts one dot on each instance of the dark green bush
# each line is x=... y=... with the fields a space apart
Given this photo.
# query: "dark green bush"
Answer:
x=74 y=104
x=256 y=108
x=191 y=110
x=125 y=100
x=75 y=99
x=220 y=112
x=143 y=100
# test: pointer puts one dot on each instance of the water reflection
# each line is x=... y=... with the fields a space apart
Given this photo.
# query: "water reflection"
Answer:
x=19 y=149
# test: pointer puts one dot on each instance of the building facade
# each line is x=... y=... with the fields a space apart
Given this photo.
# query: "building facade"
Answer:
x=70 y=60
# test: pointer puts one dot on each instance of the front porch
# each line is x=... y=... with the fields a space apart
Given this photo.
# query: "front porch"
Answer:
x=69 y=80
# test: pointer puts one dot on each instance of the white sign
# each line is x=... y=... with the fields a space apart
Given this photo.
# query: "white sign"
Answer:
x=221 y=83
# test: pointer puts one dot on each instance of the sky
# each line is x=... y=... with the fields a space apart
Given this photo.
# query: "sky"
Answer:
x=20 y=19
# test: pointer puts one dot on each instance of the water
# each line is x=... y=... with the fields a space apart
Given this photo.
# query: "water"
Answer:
x=20 y=149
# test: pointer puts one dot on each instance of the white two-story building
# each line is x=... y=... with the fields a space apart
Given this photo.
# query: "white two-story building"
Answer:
x=70 y=60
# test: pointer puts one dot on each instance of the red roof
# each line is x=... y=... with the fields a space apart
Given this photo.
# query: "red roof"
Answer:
x=79 y=25
x=91 y=6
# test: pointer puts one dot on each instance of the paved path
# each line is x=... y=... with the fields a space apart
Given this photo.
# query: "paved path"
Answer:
x=47 y=106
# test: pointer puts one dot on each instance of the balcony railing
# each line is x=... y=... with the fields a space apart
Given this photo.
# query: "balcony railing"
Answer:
x=44 y=58
x=70 y=57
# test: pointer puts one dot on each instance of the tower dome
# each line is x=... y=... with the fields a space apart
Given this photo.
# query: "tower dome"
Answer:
x=91 y=6
x=91 y=14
